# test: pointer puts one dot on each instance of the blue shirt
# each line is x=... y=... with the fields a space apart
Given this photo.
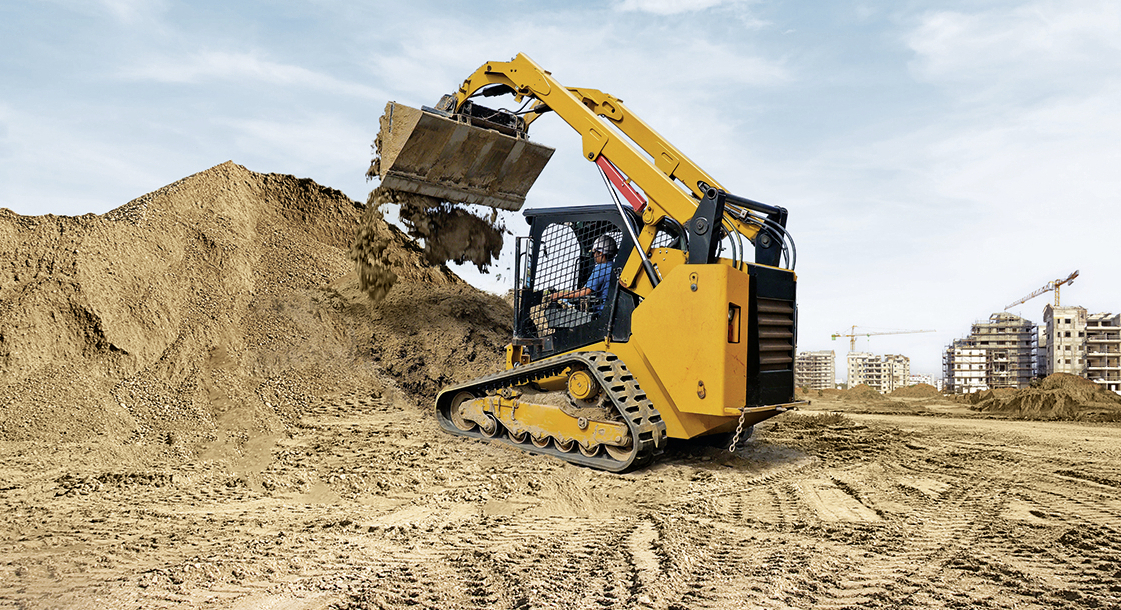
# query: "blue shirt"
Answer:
x=599 y=281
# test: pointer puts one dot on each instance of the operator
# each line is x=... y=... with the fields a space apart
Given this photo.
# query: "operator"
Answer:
x=603 y=250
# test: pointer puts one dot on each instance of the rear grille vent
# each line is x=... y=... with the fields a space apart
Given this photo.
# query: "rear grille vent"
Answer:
x=776 y=334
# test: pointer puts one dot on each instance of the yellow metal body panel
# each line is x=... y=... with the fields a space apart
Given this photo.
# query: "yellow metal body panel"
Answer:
x=686 y=334
x=678 y=423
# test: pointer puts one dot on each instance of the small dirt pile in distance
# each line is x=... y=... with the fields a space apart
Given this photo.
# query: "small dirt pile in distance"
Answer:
x=919 y=390
x=213 y=308
x=1059 y=396
x=862 y=393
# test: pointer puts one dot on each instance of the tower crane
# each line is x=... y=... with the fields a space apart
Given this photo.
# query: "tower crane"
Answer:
x=1052 y=285
x=852 y=335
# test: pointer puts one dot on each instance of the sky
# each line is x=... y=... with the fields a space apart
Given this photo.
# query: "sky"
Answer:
x=939 y=160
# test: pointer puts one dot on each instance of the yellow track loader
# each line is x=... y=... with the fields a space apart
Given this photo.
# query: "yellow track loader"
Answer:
x=629 y=324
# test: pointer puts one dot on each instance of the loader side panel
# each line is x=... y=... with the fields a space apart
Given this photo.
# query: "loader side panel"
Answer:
x=691 y=330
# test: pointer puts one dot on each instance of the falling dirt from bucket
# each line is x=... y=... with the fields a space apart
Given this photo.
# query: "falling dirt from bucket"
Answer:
x=450 y=232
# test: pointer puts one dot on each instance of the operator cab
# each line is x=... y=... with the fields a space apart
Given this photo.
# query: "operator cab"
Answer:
x=557 y=256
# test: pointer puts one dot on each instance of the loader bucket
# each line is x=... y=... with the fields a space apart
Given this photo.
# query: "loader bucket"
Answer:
x=425 y=153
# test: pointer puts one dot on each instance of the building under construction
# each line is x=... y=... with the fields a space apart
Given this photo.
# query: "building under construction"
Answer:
x=816 y=370
x=1000 y=353
x=1087 y=345
x=1103 y=350
x=881 y=373
x=1063 y=348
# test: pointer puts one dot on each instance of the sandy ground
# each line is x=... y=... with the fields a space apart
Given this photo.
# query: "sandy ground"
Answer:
x=200 y=407
x=365 y=504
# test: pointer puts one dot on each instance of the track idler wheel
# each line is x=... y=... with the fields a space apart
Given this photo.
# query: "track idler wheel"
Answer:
x=456 y=415
x=492 y=429
x=488 y=426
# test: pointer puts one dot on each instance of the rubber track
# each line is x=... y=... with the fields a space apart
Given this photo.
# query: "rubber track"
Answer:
x=642 y=419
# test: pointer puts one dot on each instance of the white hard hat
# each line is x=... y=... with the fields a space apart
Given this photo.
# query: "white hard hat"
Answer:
x=606 y=245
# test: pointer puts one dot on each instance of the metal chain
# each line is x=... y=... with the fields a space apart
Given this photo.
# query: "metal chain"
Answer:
x=739 y=431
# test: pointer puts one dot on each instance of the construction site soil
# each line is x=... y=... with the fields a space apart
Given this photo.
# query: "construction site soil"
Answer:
x=1059 y=396
x=201 y=406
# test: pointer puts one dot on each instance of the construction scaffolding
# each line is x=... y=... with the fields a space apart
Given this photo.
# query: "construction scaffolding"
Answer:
x=999 y=353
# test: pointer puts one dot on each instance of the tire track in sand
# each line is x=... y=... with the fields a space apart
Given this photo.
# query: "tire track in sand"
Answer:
x=929 y=538
x=1057 y=540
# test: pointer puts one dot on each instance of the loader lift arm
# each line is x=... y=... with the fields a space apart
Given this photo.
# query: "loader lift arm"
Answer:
x=674 y=185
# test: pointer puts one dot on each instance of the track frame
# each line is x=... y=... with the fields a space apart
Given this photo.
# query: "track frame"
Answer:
x=645 y=424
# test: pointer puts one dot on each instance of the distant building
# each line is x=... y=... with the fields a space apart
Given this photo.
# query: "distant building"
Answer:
x=1000 y=353
x=1066 y=340
x=881 y=373
x=815 y=370
x=1087 y=345
x=1103 y=350
x=917 y=379
x=964 y=368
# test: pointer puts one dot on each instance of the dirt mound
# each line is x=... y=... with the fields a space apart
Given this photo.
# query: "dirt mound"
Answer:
x=920 y=390
x=861 y=393
x=977 y=397
x=1059 y=396
x=209 y=311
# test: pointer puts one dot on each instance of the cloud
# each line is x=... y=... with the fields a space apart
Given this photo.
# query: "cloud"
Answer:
x=1000 y=177
x=59 y=166
x=1034 y=115
x=1047 y=45
x=221 y=65
x=672 y=7
x=316 y=141
x=670 y=83
x=133 y=11
x=126 y=12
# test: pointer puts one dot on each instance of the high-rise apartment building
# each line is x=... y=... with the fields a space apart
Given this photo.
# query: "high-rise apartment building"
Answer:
x=816 y=370
x=1087 y=345
x=881 y=373
x=963 y=368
